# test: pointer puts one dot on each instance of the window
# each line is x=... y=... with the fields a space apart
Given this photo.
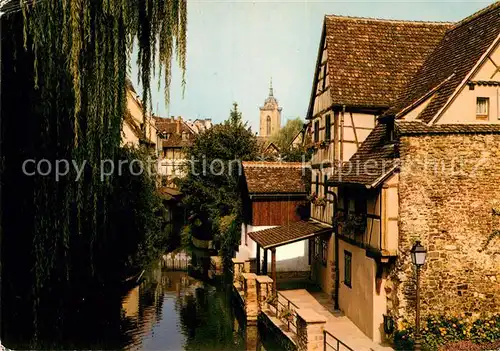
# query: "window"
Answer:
x=316 y=131
x=317 y=184
x=268 y=125
x=324 y=251
x=482 y=108
x=347 y=268
x=328 y=127
x=390 y=131
x=325 y=185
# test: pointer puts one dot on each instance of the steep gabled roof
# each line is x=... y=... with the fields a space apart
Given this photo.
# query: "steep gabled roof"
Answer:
x=371 y=60
x=449 y=64
x=275 y=177
x=373 y=161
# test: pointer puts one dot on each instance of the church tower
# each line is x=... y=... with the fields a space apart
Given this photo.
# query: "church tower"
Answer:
x=270 y=115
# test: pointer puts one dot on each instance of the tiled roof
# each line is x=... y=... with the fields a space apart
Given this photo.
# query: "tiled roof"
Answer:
x=169 y=126
x=175 y=140
x=416 y=127
x=371 y=60
x=376 y=158
x=371 y=163
x=458 y=52
x=294 y=231
x=275 y=177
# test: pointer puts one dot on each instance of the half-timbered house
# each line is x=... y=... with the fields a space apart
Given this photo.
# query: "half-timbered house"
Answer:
x=362 y=66
x=426 y=171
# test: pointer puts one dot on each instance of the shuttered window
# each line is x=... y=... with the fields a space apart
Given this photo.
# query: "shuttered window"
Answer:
x=328 y=128
x=316 y=131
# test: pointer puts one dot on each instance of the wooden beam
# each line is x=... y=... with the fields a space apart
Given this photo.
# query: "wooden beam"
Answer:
x=354 y=130
x=273 y=270
x=264 y=267
x=258 y=259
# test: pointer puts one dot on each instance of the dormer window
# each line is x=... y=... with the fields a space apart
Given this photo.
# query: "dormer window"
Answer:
x=390 y=132
x=184 y=136
x=482 y=108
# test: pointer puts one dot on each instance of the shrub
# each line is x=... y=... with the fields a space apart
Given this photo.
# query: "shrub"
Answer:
x=442 y=331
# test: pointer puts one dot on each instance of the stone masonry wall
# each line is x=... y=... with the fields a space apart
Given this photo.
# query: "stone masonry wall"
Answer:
x=449 y=185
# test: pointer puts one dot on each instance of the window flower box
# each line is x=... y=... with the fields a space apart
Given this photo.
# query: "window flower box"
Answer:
x=312 y=198
x=351 y=224
x=320 y=201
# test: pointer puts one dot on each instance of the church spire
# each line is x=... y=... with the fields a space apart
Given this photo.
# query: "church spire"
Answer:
x=271 y=87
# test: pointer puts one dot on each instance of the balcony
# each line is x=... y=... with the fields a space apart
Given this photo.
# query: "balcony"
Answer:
x=365 y=231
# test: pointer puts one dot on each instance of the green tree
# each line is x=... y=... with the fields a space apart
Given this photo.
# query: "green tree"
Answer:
x=284 y=137
x=212 y=197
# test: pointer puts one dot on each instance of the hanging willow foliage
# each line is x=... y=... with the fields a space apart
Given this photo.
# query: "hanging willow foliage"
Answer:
x=76 y=24
x=67 y=79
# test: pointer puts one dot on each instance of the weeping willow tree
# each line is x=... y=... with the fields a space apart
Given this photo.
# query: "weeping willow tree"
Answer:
x=64 y=65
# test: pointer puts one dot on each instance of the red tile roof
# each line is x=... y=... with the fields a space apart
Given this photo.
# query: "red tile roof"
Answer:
x=371 y=163
x=448 y=65
x=174 y=129
x=275 y=177
x=292 y=232
x=371 y=60
x=417 y=127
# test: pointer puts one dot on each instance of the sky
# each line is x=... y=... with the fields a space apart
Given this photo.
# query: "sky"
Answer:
x=235 y=47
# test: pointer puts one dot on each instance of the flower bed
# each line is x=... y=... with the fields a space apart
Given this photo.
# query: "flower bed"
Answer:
x=452 y=333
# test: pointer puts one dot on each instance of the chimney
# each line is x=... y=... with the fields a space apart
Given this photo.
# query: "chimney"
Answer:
x=178 y=126
x=180 y=118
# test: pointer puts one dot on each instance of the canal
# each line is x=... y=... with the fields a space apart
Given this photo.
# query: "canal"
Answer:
x=168 y=310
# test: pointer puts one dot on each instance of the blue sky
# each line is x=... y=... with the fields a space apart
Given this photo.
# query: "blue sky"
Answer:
x=235 y=47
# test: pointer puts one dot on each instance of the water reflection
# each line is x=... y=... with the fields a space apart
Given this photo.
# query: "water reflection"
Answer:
x=167 y=311
x=172 y=311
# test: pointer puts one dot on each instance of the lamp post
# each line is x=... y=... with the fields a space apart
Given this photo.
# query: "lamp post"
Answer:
x=418 y=255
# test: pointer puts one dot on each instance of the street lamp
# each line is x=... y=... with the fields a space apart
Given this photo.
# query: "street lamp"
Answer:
x=418 y=255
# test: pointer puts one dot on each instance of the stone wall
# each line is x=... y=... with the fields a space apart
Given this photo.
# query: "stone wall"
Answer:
x=448 y=186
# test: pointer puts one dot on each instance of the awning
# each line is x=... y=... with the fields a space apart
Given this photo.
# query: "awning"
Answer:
x=287 y=234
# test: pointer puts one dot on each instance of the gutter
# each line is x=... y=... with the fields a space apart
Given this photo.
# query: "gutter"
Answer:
x=277 y=195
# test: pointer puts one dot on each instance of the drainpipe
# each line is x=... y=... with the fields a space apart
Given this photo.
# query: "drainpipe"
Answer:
x=1 y=151
x=336 y=253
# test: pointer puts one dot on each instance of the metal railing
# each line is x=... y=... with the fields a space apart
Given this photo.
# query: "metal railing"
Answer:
x=332 y=343
x=285 y=310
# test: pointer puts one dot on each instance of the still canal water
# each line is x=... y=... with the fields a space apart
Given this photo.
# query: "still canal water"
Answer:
x=173 y=311
x=169 y=310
